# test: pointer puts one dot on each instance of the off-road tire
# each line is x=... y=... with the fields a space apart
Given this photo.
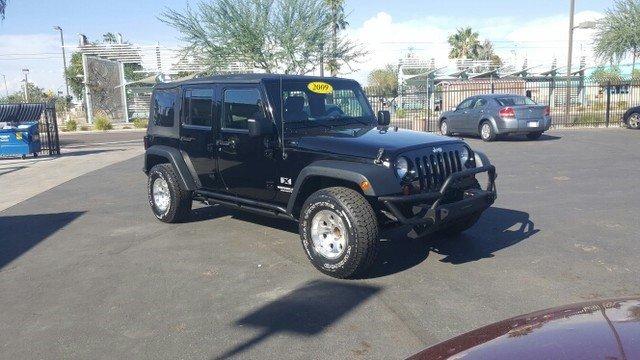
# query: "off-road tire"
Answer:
x=534 y=135
x=488 y=136
x=633 y=123
x=361 y=226
x=446 y=131
x=181 y=200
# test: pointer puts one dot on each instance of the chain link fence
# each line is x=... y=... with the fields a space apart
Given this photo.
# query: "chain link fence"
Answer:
x=592 y=103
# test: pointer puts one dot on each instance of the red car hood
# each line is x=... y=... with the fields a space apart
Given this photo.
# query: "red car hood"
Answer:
x=593 y=330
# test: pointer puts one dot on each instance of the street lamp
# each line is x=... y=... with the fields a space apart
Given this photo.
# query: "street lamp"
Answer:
x=584 y=25
x=26 y=84
x=6 y=88
x=64 y=60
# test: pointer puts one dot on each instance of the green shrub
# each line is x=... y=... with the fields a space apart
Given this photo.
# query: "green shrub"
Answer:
x=587 y=119
x=102 y=123
x=140 y=123
x=71 y=125
x=401 y=113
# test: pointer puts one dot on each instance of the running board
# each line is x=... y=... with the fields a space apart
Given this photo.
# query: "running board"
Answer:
x=254 y=206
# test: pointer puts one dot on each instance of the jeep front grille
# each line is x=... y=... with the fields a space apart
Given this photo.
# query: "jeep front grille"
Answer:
x=434 y=169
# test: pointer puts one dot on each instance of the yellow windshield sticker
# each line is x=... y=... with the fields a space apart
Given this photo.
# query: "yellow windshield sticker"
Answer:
x=320 y=87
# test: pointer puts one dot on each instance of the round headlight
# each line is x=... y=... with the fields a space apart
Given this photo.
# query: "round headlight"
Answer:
x=464 y=155
x=402 y=167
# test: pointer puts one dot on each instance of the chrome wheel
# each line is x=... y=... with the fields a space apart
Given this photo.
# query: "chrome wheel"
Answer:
x=634 y=121
x=329 y=234
x=161 y=195
x=444 y=128
x=485 y=131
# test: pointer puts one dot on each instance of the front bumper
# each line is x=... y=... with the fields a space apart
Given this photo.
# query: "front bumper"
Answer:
x=435 y=215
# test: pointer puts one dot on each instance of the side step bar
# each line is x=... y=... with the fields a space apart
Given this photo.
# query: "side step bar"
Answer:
x=254 y=206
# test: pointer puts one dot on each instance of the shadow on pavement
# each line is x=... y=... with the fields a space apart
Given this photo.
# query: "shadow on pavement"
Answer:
x=21 y=233
x=9 y=170
x=497 y=229
x=217 y=211
x=306 y=311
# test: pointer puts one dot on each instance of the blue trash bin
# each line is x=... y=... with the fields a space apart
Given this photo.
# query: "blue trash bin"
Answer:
x=20 y=140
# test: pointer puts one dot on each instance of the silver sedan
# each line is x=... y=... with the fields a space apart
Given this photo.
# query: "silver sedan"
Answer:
x=491 y=115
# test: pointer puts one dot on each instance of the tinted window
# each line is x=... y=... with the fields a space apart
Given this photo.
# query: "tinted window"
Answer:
x=199 y=107
x=480 y=103
x=466 y=104
x=514 y=100
x=164 y=107
x=240 y=106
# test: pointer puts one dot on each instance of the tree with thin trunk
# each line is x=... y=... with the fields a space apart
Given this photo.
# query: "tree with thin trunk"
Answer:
x=384 y=81
x=338 y=22
x=617 y=33
x=270 y=35
x=3 y=6
x=464 y=44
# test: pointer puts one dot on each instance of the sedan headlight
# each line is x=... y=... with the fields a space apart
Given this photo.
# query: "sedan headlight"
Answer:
x=402 y=167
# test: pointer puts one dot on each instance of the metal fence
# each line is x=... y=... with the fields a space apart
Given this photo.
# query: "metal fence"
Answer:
x=593 y=103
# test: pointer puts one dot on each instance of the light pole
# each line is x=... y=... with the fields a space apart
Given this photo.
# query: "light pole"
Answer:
x=64 y=60
x=584 y=25
x=6 y=88
x=26 y=84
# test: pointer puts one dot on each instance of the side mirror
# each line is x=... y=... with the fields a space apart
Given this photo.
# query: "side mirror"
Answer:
x=384 y=118
x=259 y=127
x=454 y=108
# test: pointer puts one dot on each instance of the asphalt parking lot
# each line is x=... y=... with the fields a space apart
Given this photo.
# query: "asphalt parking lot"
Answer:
x=87 y=272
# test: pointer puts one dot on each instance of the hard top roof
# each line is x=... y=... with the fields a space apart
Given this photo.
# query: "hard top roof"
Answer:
x=244 y=78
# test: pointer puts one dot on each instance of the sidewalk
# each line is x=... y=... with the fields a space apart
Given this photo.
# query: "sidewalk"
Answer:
x=22 y=179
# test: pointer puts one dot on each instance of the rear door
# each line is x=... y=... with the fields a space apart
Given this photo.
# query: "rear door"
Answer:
x=477 y=112
x=199 y=113
x=246 y=164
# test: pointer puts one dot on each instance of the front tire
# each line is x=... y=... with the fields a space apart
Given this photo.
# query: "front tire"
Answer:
x=534 y=135
x=444 y=128
x=339 y=232
x=168 y=201
x=633 y=121
x=486 y=132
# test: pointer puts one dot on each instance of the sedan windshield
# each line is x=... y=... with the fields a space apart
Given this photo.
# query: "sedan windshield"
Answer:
x=326 y=103
x=515 y=101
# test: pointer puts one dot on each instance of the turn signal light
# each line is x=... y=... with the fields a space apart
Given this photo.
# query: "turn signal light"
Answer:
x=365 y=186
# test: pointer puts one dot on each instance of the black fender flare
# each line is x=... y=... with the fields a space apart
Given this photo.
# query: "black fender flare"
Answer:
x=382 y=178
x=180 y=161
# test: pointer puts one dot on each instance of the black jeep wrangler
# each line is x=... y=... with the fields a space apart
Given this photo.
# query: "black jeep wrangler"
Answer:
x=310 y=150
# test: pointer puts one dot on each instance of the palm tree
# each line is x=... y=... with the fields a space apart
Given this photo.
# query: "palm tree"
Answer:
x=464 y=44
x=338 y=22
x=617 y=35
x=3 y=5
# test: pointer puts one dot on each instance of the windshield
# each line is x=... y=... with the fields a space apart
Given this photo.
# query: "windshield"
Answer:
x=325 y=103
x=515 y=100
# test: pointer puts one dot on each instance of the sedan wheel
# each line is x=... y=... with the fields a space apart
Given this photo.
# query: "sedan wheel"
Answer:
x=444 y=128
x=633 y=122
x=486 y=132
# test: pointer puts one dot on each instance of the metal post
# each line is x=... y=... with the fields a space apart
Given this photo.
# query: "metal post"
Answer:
x=26 y=85
x=87 y=92
x=123 y=93
x=567 y=104
x=608 y=110
x=64 y=60
x=321 y=59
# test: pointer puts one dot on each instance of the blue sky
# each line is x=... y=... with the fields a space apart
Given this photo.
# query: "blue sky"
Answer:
x=511 y=24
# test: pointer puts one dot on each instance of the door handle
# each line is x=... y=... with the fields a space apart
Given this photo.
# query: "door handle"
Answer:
x=187 y=138
x=225 y=142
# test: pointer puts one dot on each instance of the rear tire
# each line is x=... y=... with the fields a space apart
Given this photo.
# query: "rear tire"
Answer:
x=339 y=232
x=534 y=135
x=633 y=121
x=444 y=128
x=168 y=201
x=486 y=131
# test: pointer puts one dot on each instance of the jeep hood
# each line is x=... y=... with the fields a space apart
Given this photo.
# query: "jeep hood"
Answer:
x=365 y=142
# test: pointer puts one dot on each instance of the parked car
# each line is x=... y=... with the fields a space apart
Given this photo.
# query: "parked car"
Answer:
x=592 y=330
x=631 y=118
x=309 y=150
x=496 y=114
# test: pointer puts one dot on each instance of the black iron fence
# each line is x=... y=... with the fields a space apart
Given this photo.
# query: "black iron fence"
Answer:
x=592 y=103
x=48 y=126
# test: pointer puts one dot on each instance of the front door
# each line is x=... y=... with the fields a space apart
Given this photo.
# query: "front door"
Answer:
x=196 y=133
x=245 y=163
